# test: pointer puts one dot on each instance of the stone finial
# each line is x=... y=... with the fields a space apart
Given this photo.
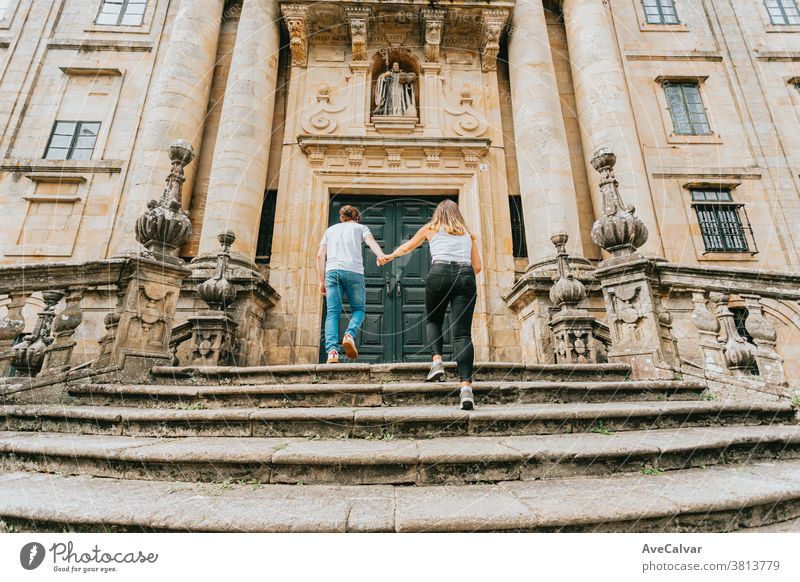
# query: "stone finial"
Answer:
x=740 y=355
x=164 y=227
x=28 y=355
x=568 y=291
x=218 y=292
x=619 y=231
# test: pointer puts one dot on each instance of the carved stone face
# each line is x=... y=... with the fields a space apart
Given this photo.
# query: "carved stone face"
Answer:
x=395 y=67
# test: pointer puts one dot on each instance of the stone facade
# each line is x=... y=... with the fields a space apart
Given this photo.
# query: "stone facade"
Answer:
x=512 y=98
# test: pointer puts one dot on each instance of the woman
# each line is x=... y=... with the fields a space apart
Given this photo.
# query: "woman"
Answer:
x=451 y=281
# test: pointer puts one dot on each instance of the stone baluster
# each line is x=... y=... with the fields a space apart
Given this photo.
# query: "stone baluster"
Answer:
x=58 y=356
x=28 y=355
x=740 y=355
x=176 y=107
x=239 y=172
x=572 y=327
x=765 y=336
x=10 y=329
x=214 y=330
x=641 y=335
x=708 y=328
x=547 y=186
x=604 y=105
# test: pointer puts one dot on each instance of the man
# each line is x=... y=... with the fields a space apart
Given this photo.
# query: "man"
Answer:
x=341 y=272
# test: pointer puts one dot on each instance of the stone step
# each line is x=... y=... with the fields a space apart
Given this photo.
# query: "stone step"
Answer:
x=396 y=462
x=722 y=498
x=380 y=373
x=391 y=422
x=388 y=394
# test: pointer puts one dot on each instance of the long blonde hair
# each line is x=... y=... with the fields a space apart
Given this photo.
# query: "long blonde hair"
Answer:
x=448 y=216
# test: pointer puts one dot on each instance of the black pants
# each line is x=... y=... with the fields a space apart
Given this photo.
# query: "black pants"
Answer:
x=452 y=284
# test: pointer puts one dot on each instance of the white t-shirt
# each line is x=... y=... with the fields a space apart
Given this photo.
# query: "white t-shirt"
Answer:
x=344 y=242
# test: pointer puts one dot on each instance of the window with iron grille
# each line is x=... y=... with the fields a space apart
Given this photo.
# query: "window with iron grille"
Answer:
x=519 y=243
x=660 y=12
x=266 y=227
x=783 y=12
x=721 y=223
x=72 y=140
x=122 y=12
x=686 y=108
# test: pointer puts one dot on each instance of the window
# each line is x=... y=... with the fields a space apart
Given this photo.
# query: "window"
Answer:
x=72 y=140
x=122 y=12
x=660 y=12
x=518 y=228
x=721 y=222
x=266 y=227
x=783 y=12
x=3 y=8
x=686 y=108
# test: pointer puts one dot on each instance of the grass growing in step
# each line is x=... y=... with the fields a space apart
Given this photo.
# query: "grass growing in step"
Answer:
x=195 y=406
x=677 y=376
x=652 y=471
x=385 y=435
x=7 y=528
x=796 y=401
x=600 y=428
x=707 y=396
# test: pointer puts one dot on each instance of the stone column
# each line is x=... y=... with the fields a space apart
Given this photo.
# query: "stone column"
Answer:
x=605 y=113
x=547 y=186
x=176 y=109
x=239 y=174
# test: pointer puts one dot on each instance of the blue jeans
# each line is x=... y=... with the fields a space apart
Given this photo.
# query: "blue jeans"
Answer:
x=339 y=283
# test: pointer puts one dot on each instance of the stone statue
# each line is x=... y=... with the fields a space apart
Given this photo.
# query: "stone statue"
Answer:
x=394 y=93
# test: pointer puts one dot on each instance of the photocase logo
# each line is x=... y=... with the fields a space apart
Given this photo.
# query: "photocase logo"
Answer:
x=31 y=555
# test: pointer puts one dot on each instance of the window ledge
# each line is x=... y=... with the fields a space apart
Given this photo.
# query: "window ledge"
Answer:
x=716 y=257
x=772 y=28
x=61 y=166
x=121 y=28
x=647 y=27
x=88 y=44
x=713 y=139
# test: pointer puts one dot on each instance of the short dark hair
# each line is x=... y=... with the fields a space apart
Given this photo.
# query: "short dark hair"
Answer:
x=349 y=213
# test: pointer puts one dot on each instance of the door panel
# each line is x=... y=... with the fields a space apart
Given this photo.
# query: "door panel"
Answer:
x=394 y=328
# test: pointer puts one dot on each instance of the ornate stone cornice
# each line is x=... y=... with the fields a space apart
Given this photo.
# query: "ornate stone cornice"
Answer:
x=295 y=17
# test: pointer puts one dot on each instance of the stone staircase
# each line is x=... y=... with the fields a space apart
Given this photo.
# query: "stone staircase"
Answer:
x=354 y=447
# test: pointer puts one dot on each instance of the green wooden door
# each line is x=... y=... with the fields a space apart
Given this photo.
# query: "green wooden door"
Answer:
x=394 y=327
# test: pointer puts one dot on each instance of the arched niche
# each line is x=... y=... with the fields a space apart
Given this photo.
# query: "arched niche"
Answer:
x=408 y=63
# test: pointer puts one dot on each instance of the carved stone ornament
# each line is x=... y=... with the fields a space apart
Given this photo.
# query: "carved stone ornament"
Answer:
x=319 y=120
x=217 y=291
x=434 y=21
x=492 y=24
x=295 y=16
x=770 y=363
x=468 y=120
x=28 y=355
x=568 y=291
x=164 y=227
x=359 y=31
x=618 y=231
x=740 y=355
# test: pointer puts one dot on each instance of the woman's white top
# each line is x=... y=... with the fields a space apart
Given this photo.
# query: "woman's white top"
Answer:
x=451 y=247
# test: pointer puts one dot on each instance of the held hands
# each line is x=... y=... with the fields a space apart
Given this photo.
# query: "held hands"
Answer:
x=384 y=259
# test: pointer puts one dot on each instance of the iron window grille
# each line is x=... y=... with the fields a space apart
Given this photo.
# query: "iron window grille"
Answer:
x=122 y=12
x=72 y=140
x=724 y=224
x=686 y=108
x=783 y=12
x=660 y=12
x=519 y=242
